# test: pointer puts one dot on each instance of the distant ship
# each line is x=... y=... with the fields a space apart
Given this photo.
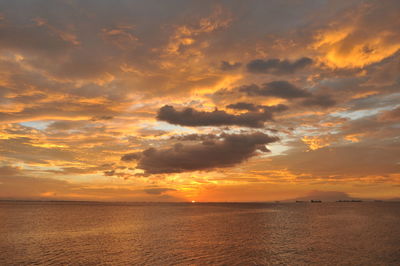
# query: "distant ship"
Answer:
x=315 y=201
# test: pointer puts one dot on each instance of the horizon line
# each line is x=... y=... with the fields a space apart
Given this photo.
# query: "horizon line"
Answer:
x=201 y=202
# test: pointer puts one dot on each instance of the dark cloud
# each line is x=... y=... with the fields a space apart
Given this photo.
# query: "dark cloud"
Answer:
x=227 y=151
x=192 y=117
x=195 y=137
x=275 y=108
x=109 y=173
x=227 y=66
x=281 y=89
x=319 y=100
x=157 y=191
x=130 y=157
x=243 y=106
x=277 y=66
x=114 y=172
x=102 y=117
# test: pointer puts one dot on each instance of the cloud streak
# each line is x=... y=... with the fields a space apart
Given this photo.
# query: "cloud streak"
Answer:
x=280 y=88
x=192 y=117
x=277 y=66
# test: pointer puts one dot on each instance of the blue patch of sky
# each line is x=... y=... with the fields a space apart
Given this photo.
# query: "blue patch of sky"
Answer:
x=353 y=115
x=40 y=125
x=159 y=125
x=276 y=149
x=311 y=131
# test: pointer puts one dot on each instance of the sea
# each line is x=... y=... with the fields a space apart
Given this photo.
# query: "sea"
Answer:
x=94 y=233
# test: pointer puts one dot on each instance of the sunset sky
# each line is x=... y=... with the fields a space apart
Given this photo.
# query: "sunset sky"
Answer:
x=199 y=100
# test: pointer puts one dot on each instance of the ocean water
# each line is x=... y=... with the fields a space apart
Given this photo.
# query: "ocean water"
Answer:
x=78 y=233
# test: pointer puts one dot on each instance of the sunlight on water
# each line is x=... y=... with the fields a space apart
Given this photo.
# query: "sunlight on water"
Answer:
x=231 y=234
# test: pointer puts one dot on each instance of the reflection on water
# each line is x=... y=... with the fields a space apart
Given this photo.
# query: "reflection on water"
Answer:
x=232 y=234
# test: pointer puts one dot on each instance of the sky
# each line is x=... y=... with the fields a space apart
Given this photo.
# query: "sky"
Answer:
x=199 y=100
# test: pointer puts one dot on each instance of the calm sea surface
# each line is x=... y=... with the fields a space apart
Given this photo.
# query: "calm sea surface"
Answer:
x=60 y=233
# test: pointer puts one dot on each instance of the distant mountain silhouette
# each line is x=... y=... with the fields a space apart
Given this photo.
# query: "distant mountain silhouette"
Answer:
x=324 y=196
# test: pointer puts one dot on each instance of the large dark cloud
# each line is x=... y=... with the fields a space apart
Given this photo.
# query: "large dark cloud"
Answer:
x=277 y=66
x=226 y=151
x=280 y=88
x=192 y=117
x=285 y=90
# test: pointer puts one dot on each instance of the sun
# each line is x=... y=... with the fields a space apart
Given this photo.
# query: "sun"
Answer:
x=193 y=201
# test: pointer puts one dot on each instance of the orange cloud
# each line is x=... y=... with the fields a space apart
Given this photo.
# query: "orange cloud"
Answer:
x=356 y=40
x=317 y=142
